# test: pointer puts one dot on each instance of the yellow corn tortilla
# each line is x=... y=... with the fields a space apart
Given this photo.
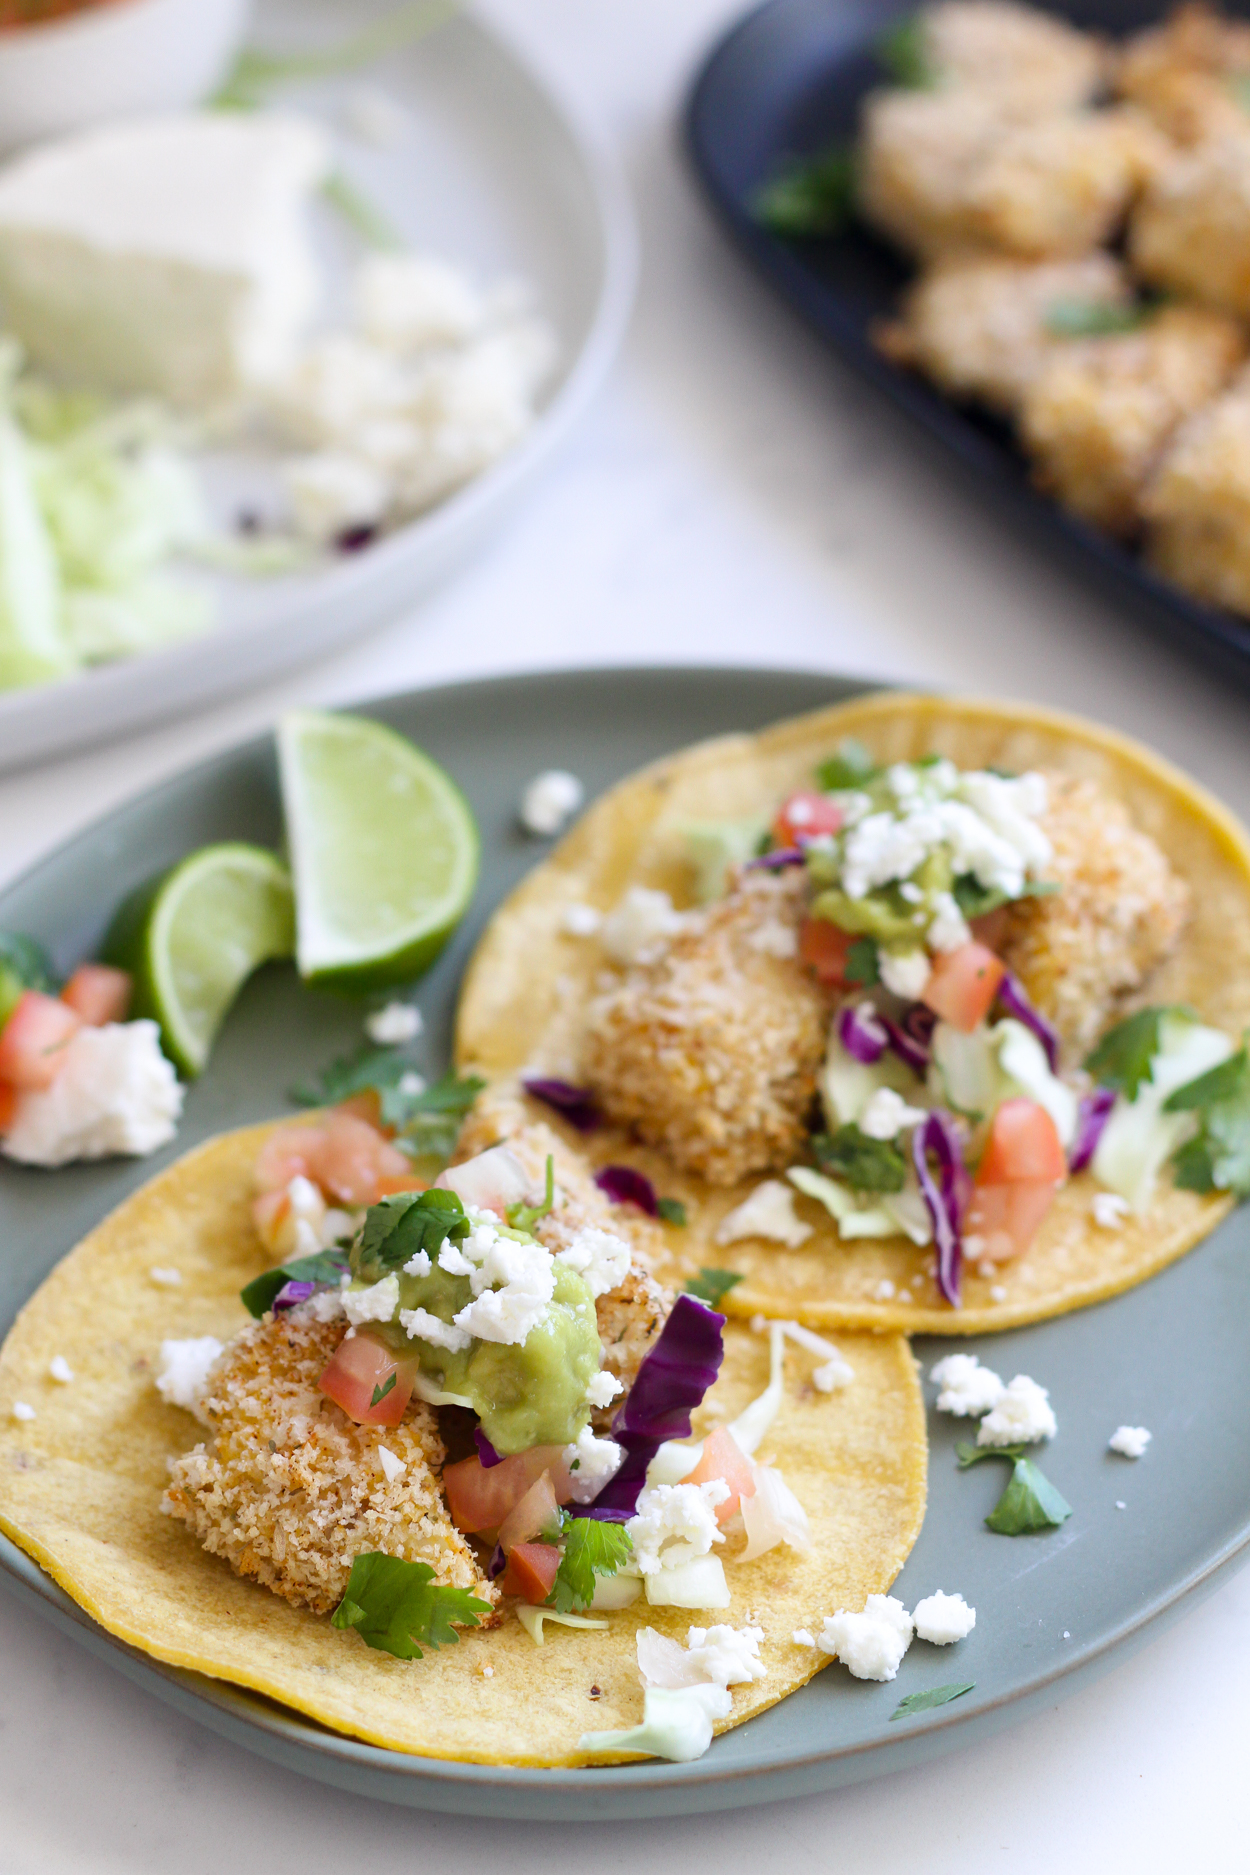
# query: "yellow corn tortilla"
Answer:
x=523 y=1005
x=81 y=1485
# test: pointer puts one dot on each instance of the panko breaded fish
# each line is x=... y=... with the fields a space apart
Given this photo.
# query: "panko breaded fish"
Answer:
x=1198 y=504
x=960 y=169
x=1119 y=913
x=1190 y=231
x=1184 y=73
x=712 y=1051
x=1042 y=63
x=289 y=1490
x=1096 y=417
x=977 y=325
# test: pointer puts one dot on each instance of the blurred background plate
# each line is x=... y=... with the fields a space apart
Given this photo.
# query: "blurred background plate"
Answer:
x=789 y=79
x=491 y=171
x=1053 y=1610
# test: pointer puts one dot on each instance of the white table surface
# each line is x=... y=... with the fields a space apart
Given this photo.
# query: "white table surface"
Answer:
x=736 y=498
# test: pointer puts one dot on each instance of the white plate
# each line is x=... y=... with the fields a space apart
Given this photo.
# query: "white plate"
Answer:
x=493 y=172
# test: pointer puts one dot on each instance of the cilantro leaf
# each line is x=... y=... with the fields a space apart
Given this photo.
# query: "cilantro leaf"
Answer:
x=380 y=1392
x=712 y=1286
x=866 y=1164
x=327 y=1266
x=398 y=1607
x=808 y=195
x=1091 y=318
x=23 y=966
x=366 y=1067
x=850 y=767
x=976 y=900
x=1123 y=1058
x=591 y=1549
x=1218 y=1159
x=672 y=1210
x=934 y=1696
x=429 y=1121
x=525 y=1216
x=1227 y=1081
x=1030 y=1501
x=901 y=49
x=863 y=963
x=398 y=1226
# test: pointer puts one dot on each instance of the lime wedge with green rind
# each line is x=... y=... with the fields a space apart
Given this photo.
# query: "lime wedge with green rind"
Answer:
x=192 y=936
x=384 y=851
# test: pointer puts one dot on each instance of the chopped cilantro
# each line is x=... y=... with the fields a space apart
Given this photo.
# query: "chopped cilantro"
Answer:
x=850 y=767
x=1123 y=1058
x=808 y=195
x=397 y=1227
x=525 y=1216
x=901 y=50
x=1030 y=1501
x=1091 y=318
x=398 y=1607
x=1218 y=1159
x=23 y=966
x=428 y=1122
x=712 y=1286
x=863 y=963
x=327 y=1266
x=380 y=1392
x=934 y=1696
x=591 y=1549
x=866 y=1164
x=976 y=900
x=672 y=1210
x=366 y=1067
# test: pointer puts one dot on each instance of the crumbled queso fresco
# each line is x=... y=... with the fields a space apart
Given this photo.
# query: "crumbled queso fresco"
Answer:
x=966 y=1388
x=550 y=800
x=115 y=1093
x=394 y=1024
x=670 y=1514
x=942 y=1619
x=1130 y=1441
x=1021 y=1416
x=768 y=1212
x=639 y=924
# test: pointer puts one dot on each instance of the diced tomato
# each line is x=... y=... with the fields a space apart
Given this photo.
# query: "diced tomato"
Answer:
x=532 y=1569
x=804 y=816
x=536 y=1512
x=32 y=1043
x=493 y=1180
x=480 y=1496
x=8 y=1105
x=288 y=1153
x=372 y=1385
x=723 y=1458
x=1021 y=1169
x=352 y=1157
x=963 y=985
x=824 y=948
x=99 y=994
x=1024 y=1147
x=367 y=1106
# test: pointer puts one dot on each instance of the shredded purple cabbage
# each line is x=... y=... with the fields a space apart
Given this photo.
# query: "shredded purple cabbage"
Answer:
x=1013 y=999
x=919 y=1021
x=780 y=857
x=670 y=1383
x=624 y=1184
x=485 y=1450
x=906 y=1047
x=1092 y=1116
x=497 y=1564
x=574 y=1104
x=863 y=1033
x=292 y=1294
x=944 y=1201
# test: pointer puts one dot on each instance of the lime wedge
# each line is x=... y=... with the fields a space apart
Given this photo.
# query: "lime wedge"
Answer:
x=192 y=937
x=384 y=851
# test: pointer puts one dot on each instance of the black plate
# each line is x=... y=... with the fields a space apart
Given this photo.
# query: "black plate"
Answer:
x=787 y=80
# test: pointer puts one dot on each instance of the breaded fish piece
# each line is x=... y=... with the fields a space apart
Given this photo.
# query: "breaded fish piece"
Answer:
x=1040 y=62
x=977 y=325
x=942 y=170
x=1120 y=911
x=711 y=1052
x=289 y=1489
x=1184 y=73
x=1190 y=231
x=1198 y=504
x=1098 y=415
x=630 y=1316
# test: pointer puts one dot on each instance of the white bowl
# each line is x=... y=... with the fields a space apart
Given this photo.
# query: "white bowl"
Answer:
x=109 y=61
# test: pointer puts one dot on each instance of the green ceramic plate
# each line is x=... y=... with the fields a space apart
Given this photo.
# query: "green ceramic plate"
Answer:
x=1051 y=1610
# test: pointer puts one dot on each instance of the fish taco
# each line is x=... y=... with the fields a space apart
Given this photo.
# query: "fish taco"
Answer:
x=912 y=1014
x=445 y=1467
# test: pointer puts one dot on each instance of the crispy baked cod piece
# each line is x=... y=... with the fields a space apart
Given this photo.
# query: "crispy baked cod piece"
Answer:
x=942 y=170
x=289 y=1489
x=712 y=1051
x=1118 y=914
x=1040 y=62
x=978 y=325
x=630 y=1316
x=1185 y=73
x=1190 y=231
x=1198 y=505
x=1098 y=414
